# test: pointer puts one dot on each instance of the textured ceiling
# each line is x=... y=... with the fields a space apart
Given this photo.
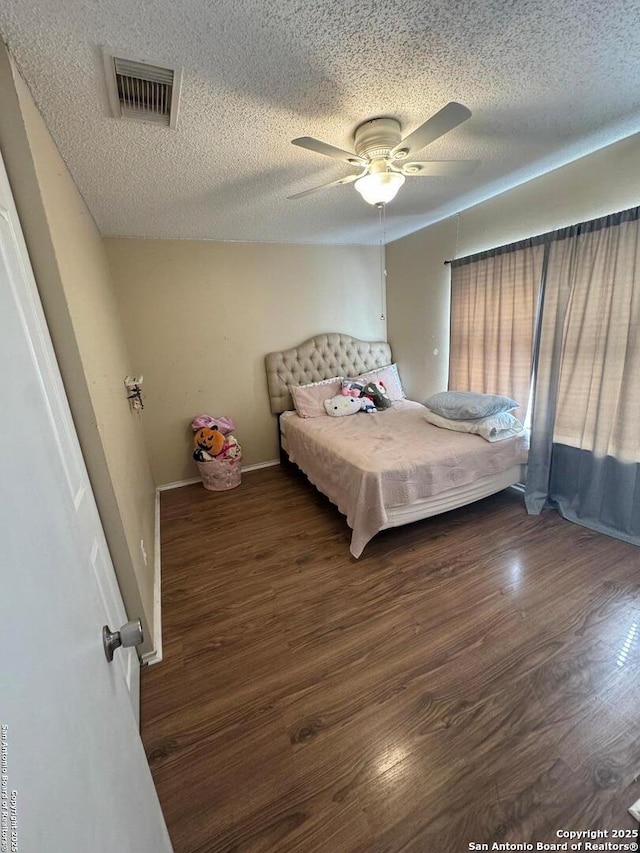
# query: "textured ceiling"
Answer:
x=546 y=83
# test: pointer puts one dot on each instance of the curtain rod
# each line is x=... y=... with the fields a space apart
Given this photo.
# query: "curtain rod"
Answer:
x=610 y=219
x=501 y=250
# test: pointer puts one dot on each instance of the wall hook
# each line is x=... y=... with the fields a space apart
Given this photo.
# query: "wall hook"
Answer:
x=133 y=384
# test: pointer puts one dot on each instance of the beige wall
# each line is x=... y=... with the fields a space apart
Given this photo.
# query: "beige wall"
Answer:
x=200 y=317
x=418 y=280
x=73 y=277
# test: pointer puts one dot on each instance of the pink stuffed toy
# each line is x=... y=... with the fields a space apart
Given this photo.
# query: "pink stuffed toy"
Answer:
x=351 y=389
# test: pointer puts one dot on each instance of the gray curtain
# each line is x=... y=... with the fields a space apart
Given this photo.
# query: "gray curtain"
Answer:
x=585 y=443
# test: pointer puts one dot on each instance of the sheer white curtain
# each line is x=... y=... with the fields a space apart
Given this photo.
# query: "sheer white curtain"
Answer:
x=494 y=302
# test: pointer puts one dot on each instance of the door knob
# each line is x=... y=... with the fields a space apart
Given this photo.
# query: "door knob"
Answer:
x=129 y=635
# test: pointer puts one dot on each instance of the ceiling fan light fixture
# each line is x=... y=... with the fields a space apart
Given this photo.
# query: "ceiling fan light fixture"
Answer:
x=379 y=187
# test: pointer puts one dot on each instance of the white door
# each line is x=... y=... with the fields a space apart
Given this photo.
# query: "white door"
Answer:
x=73 y=773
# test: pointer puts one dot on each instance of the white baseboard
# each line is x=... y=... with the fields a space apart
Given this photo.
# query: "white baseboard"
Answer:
x=155 y=655
x=179 y=483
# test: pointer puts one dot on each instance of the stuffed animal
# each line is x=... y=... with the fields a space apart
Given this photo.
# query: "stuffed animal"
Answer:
x=202 y=456
x=350 y=392
x=378 y=393
x=231 y=448
x=367 y=405
x=211 y=441
x=339 y=406
x=351 y=389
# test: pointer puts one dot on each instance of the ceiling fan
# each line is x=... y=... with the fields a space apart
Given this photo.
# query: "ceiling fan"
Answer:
x=381 y=154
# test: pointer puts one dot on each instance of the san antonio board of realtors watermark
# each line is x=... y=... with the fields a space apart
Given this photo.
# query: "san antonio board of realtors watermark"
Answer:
x=585 y=840
x=8 y=799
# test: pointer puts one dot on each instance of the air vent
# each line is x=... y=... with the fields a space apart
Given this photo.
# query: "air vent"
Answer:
x=142 y=91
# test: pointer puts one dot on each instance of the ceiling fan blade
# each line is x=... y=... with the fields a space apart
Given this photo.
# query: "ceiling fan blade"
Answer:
x=442 y=122
x=348 y=180
x=319 y=147
x=439 y=168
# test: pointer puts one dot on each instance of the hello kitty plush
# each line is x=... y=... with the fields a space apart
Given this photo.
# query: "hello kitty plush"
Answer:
x=339 y=406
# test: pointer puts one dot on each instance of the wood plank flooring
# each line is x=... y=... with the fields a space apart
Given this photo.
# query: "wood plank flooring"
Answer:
x=473 y=677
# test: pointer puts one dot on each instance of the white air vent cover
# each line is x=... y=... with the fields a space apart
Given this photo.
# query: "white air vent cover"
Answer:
x=142 y=91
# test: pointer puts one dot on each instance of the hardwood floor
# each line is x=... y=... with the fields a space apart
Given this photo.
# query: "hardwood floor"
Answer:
x=473 y=677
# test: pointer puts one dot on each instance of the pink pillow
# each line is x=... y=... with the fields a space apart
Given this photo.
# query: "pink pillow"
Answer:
x=389 y=376
x=309 y=399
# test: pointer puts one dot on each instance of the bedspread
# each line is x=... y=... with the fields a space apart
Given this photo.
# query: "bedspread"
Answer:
x=367 y=463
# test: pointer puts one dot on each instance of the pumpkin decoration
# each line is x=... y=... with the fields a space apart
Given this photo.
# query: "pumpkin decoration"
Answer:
x=211 y=441
x=216 y=452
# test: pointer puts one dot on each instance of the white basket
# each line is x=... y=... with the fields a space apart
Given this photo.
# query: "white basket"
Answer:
x=218 y=475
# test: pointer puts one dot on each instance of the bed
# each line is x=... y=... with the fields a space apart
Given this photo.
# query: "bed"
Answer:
x=388 y=468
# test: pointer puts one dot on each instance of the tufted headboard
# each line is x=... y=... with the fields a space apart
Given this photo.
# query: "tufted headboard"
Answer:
x=321 y=357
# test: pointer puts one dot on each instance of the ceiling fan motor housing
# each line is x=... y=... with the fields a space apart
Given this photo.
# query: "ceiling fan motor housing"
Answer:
x=377 y=137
